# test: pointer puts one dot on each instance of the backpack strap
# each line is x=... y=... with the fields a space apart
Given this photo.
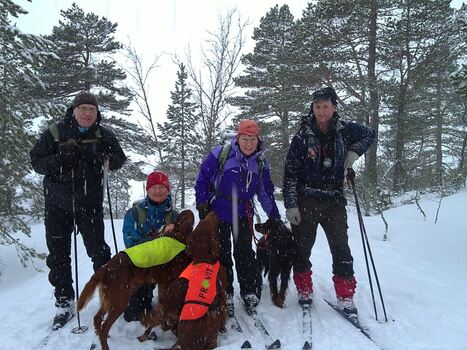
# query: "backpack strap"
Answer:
x=140 y=214
x=261 y=165
x=53 y=128
x=224 y=153
x=168 y=217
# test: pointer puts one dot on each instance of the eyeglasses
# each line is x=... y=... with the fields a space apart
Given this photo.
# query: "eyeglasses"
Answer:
x=87 y=109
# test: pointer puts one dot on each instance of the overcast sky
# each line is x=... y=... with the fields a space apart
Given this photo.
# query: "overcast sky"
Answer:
x=157 y=27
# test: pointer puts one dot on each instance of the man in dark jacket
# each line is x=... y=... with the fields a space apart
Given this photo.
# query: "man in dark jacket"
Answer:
x=316 y=165
x=72 y=155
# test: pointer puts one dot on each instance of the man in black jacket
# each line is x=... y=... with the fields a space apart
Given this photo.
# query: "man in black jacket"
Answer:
x=72 y=155
x=319 y=156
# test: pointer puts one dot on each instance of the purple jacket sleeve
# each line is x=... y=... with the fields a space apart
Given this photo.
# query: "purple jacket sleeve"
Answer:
x=266 y=194
x=206 y=175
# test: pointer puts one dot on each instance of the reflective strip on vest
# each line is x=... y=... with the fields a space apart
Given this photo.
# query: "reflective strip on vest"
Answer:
x=201 y=289
x=156 y=252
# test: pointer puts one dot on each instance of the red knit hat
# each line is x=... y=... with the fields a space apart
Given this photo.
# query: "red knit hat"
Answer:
x=157 y=178
x=248 y=127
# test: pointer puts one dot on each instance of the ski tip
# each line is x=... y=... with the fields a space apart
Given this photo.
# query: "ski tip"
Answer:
x=246 y=345
x=306 y=346
x=275 y=345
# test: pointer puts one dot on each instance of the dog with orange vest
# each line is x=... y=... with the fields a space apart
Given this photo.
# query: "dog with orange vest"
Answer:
x=195 y=305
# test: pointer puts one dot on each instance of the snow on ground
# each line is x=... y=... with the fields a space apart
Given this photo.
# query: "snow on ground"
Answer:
x=422 y=269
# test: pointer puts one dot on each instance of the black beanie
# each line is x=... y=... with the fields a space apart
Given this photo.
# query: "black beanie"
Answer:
x=85 y=98
x=325 y=94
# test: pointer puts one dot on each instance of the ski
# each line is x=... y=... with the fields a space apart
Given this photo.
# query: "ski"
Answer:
x=306 y=326
x=352 y=319
x=235 y=325
x=259 y=325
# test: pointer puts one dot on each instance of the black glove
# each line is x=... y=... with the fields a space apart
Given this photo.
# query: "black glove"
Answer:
x=203 y=210
x=350 y=176
x=68 y=154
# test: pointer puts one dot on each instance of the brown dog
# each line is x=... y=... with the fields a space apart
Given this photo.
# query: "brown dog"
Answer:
x=195 y=333
x=119 y=278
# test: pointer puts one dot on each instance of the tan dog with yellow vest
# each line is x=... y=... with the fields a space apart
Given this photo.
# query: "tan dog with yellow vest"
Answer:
x=121 y=276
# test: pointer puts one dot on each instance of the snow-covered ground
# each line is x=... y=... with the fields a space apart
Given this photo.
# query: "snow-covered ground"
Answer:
x=422 y=268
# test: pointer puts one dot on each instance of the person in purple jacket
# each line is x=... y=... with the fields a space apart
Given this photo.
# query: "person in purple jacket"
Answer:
x=229 y=194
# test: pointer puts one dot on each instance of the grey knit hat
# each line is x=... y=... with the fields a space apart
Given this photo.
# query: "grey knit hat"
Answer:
x=85 y=98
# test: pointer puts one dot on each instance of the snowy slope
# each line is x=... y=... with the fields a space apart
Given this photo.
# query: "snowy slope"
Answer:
x=422 y=269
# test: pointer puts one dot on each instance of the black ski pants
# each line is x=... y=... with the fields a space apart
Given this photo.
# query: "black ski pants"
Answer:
x=140 y=301
x=245 y=260
x=58 y=233
x=331 y=214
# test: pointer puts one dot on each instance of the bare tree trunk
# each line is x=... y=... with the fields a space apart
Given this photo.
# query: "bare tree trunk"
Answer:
x=438 y=136
x=220 y=62
x=399 y=172
x=371 y=160
x=140 y=75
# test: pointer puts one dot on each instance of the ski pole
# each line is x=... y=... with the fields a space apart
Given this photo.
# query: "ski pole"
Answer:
x=351 y=177
x=80 y=329
x=112 y=218
x=106 y=181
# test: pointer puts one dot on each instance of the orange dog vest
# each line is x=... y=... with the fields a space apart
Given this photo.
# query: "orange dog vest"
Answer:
x=201 y=289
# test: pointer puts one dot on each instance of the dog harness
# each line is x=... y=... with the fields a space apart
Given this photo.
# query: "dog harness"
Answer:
x=201 y=289
x=156 y=252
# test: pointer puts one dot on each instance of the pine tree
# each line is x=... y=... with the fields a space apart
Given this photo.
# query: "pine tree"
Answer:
x=275 y=95
x=344 y=36
x=20 y=56
x=178 y=136
x=418 y=49
x=85 y=44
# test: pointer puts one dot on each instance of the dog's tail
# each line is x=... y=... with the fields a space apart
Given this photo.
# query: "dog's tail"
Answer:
x=88 y=290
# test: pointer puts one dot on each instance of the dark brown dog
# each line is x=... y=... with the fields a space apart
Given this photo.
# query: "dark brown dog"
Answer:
x=198 y=334
x=119 y=278
x=275 y=253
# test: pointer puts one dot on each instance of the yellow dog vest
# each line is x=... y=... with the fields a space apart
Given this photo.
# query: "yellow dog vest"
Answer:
x=156 y=252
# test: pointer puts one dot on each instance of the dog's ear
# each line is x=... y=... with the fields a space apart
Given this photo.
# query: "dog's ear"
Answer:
x=261 y=228
x=275 y=224
x=212 y=220
x=212 y=228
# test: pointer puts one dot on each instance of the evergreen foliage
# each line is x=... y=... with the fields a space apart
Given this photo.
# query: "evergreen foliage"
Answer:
x=85 y=44
x=179 y=137
x=275 y=93
x=20 y=56
x=398 y=66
